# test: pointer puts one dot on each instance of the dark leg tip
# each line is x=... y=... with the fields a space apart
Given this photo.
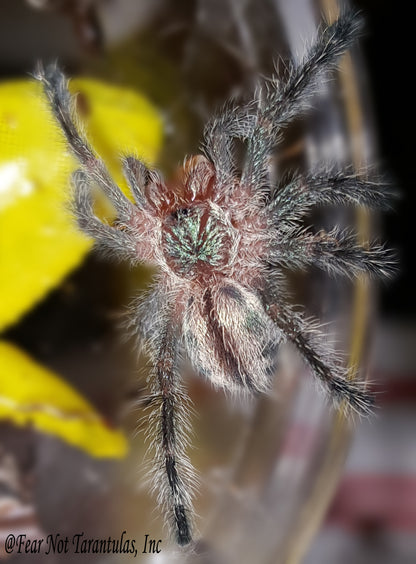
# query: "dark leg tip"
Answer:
x=183 y=531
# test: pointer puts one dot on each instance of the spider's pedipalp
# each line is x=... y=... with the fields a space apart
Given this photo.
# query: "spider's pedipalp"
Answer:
x=55 y=86
x=289 y=98
x=296 y=197
x=336 y=252
x=137 y=176
x=114 y=241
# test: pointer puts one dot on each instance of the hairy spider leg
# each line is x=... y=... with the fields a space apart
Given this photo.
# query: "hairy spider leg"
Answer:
x=247 y=318
x=314 y=349
x=137 y=175
x=291 y=200
x=219 y=134
x=56 y=89
x=336 y=252
x=281 y=103
x=166 y=378
x=114 y=240
x=169 y=421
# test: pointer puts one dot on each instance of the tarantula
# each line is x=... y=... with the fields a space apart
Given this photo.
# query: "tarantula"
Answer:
x=221 y=240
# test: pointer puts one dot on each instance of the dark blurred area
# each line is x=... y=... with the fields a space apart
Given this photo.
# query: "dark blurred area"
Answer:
x=187 y=58
x=388 y=50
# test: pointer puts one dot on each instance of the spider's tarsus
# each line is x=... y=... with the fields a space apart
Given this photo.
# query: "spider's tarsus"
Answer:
x=55 y=85
x=353 y=393
x=183 y=536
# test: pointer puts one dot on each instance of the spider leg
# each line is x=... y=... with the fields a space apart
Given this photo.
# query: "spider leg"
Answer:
x=113 y=240
x=55 y=86
x=168 y=416
x=170 y=400
x=219 y=134
x=336 y=252
x=295 y=199
x=137 y=175
x=319 y=355
x=282 y=103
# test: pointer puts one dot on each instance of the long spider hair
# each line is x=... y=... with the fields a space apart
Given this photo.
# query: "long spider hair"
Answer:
x=222 y=240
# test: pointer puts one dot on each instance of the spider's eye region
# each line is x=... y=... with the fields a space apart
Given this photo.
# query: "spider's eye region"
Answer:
x=194 y=241
x=181 y=213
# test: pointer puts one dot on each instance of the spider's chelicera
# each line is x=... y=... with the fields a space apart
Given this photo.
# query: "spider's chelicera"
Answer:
x=221 y=240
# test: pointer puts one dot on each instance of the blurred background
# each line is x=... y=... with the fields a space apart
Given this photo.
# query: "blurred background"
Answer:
x=284 y=479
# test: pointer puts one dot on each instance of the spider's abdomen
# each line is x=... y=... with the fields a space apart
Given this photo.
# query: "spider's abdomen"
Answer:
x=195 y=241
x=230 y=339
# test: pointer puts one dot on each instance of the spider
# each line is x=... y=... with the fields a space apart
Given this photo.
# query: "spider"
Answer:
x=222 y=239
